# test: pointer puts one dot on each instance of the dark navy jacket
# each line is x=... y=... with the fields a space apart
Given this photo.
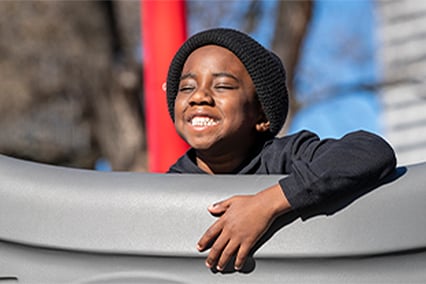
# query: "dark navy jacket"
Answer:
x=320 y=173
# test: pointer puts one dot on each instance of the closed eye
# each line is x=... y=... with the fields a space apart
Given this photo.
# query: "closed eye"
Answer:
x=226 y=87
x=186 y=89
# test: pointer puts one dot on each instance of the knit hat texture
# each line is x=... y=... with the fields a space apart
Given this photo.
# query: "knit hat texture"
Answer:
x=264 y=67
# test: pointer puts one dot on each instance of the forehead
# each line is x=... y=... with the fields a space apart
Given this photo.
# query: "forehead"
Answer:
x=213 y=55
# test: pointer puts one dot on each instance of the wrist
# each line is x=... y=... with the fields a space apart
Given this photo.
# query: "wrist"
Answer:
x=275 y=199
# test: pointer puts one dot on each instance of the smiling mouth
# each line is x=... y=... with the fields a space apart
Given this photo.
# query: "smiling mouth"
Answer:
x=203 y=121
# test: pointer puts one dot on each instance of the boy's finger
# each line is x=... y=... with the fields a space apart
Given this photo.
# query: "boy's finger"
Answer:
x=218 y=208
x=209 y=236
x=216 y=251
x=241 y=257
x=227 y=254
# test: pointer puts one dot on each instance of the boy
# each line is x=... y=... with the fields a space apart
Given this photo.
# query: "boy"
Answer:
x=228 y=99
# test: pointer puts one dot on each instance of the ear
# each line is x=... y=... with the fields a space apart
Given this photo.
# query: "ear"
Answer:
x=262 y=126
x=263 y=123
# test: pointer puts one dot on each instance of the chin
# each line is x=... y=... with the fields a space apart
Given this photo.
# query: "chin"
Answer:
x=201 y=143
x=201 y=146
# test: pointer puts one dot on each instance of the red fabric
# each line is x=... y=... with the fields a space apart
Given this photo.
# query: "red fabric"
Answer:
x=163 y=31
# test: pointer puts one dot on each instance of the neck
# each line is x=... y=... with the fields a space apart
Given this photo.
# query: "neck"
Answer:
x=218 y=164
x=227 y=162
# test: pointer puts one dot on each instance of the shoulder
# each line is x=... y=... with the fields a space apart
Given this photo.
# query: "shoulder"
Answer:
x=291 y=141
x=278 y=153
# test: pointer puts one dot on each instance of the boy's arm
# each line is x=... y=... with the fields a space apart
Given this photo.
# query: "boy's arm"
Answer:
x=323 y=172
x=243 y=220
x=320 y=172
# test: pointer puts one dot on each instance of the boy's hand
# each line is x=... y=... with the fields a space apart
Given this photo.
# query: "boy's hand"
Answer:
x=243 y=220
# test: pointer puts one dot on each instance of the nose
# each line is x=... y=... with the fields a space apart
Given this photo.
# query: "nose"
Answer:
x=202 y=96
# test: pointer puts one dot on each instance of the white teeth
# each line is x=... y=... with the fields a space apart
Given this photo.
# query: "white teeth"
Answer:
x=203 y=121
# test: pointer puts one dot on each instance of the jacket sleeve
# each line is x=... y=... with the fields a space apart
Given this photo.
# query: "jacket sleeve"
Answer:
x=326 y=175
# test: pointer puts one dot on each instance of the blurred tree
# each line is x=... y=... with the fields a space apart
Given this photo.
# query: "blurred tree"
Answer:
x=70 y=82
x=70 y=77
x=292 y=20
x=291 y=28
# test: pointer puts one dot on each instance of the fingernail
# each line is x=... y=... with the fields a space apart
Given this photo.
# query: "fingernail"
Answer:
x=208 y=265
x=237 y=268
x=219 y=268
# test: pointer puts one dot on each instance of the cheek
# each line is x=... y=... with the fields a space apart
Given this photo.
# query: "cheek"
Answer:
x=241 y=112
x=178 y=114
x=179 y=102
x=249 y=107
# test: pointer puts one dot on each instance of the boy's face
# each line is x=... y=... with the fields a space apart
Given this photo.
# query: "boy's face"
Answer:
x=216 y=108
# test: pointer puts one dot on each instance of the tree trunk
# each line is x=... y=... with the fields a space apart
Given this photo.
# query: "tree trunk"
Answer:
x=291 y=28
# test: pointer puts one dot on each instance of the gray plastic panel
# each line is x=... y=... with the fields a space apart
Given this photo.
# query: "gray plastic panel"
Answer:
x=69 y=225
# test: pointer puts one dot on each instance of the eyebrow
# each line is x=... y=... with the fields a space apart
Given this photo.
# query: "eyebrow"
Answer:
x=225 y=74
x=219 y=74
x=187 y=75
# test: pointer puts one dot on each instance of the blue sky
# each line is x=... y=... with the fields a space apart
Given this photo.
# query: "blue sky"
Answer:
x=338 y=56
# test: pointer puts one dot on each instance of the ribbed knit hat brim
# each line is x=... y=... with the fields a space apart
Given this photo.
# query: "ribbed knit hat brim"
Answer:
x=264 y=67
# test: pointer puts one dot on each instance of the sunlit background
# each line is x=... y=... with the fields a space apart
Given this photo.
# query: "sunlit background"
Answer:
x=72 y=94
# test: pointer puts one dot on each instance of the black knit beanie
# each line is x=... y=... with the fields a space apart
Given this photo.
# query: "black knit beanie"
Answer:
x=264 y=67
